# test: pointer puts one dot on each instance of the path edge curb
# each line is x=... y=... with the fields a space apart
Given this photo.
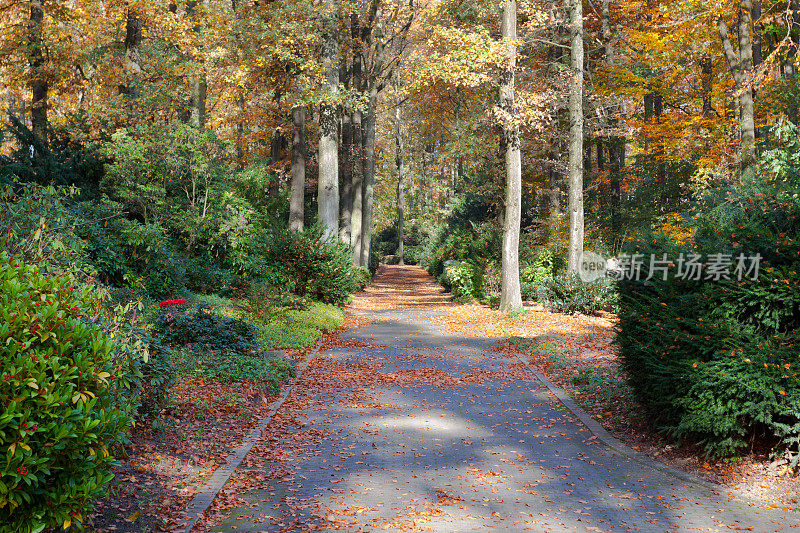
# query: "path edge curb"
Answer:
x=612 y=442
x=201 y=501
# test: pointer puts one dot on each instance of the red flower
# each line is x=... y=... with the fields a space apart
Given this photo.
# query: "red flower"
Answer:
x=168 y=303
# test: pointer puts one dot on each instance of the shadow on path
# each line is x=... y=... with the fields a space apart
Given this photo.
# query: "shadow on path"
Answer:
x=404 y=427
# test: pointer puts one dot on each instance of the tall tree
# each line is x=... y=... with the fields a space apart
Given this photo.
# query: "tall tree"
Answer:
x=741 y=68
x=510 y=294
x=133 y=54
x=575 y=178
x=328 y=181
x=297 y=199
x=346 y=173
x=198 y=79
x=356 y=213
x=38 y=79
x=400 y=164
x=369 y=178
x=384 y=38
x=357 y=151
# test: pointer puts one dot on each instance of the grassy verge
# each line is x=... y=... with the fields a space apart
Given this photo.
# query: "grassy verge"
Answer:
x=297 y=325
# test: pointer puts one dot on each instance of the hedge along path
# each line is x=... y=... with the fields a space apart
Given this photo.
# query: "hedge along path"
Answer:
x=402 y=424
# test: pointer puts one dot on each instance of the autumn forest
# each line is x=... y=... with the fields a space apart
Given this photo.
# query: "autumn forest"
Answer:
x=197 y=197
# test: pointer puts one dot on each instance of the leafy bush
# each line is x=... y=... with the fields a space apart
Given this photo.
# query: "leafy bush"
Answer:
x=464 y=279
x=305 y=262
x=203 y=276
x=569 y=294
x=386 y=241
x=205 y=329
x=62 y=161
x=469 y=233
x=38 y=226
x=58 y=419
x=543 y=265
x=362 y=278
x=713 y=360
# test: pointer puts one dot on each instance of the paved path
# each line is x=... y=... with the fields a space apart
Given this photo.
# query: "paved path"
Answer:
x=406 y=428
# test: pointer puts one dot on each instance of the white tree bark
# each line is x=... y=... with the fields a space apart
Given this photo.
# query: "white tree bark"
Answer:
x=510 y=294
x=575 y=200
x=328 y=181
x=358 y=172
x=369 y=178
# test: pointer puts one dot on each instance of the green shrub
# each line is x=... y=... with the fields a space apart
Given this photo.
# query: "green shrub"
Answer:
x=411 y=254
x=305 y=262
x=38 y=226
x=158 y=375
x=569 y=294
x=464 y=279
x=713 y=361
x=58 y=419
x=362 y=278
x=203 y=276
x=205 y=329
x=543 y=264
x=469 y=233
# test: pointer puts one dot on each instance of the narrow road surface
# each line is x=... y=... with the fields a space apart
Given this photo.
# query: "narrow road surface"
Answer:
x=400 y=426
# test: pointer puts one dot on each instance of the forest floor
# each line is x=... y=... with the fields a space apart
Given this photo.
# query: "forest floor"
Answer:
x=424 y=415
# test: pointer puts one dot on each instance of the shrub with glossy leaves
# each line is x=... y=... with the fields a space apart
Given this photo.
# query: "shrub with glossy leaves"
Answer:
x=57 y=416
x=206 y=330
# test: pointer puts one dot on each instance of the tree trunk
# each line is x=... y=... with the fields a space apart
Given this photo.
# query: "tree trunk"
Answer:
x=617 y=159
x=707 y=75
x=575 y=202
x=740 y=70
x=398 y=159
x=328 y=189
x=133 y=56
x=38 y=82
x=357 y=151
x=198 y=81
x=358 y=189
x=369 y=178
x=346 y=193
x=510 y=292
x=275 y=156
x=746 y=99
x=297 y=200
x=554 y=182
